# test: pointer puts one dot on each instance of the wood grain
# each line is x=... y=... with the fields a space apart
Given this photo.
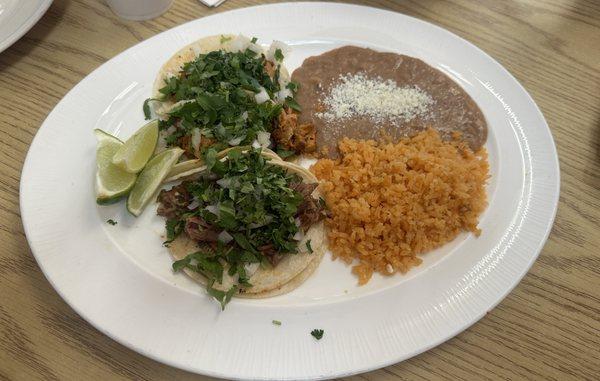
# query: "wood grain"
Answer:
x=547 y=328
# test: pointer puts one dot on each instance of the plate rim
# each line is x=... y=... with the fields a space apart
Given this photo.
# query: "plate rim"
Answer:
x=442 y=338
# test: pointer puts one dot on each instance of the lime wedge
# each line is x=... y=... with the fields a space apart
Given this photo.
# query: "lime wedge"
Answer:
x=150 y=179
x=111 y=182
x=134 y=154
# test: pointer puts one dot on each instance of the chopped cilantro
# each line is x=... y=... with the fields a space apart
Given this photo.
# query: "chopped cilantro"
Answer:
x=253 y=40
x=224 y=39
x=182 y=263
x=174 y=227
x=278 y=55
x=111 y=222
x=293 y=86
x=219 y=88
x=282 y=153
x=223 y=297
x=291 y=103
x=146 y=108
x=276 y=322
x=254 y=202
x=308 y=247
x=317 y=333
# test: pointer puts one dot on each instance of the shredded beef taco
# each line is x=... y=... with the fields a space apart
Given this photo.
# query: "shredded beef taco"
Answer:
x=246 y=226
x=227 y=91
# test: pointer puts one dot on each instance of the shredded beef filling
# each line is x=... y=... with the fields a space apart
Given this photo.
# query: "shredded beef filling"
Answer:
x=199 y=230
x=309 y=211
x=271 y=253
x=174 y=203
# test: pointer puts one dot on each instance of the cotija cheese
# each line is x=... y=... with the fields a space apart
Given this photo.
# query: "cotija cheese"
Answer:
x=357 y=95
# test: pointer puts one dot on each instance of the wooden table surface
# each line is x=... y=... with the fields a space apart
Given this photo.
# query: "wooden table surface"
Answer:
x=548 y=328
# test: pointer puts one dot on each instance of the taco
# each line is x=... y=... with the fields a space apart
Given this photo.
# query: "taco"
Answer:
x=247 y=226
x=227 y=91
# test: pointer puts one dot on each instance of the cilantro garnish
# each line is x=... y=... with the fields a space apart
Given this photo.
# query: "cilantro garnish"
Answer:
x=254 y=202
x=223 y=297
x=317 y=333
x=112 y=222
x=224 y=39
x=174 y=227
x=284 y=154
x=276 y=322
x=146 y=108
x=278 y=55
x=308 y=247
x=293 y=87
x=220 y=89
x=291 y=103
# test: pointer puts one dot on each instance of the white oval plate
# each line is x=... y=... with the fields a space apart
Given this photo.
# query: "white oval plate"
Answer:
x=17 y=17
x=119 y=278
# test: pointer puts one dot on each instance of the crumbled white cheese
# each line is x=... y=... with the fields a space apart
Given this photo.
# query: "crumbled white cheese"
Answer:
x=357 y=95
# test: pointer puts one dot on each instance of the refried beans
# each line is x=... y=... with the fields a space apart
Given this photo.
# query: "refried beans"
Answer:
x=445 y=106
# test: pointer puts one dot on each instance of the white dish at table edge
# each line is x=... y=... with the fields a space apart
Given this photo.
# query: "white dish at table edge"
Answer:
x=119 y=279
x=18 y=19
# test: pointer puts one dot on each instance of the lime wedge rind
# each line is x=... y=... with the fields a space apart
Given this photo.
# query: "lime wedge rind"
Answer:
x=112 y=183
x=150 y=179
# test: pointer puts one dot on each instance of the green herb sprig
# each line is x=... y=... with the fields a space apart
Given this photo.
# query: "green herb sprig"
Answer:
x=317 y=333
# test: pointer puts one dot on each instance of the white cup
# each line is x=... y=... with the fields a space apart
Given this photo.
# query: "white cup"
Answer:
x=139 y=9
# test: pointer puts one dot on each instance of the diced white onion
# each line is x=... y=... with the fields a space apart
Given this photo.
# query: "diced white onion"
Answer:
x=255 y=48
x=236 y=141
x=297 y=222
x=239 y=43
x=196 y=138
x=224 y=183
x=245 y=115
x=224 y=237
x=214 y=209
x=264 y=139
x=251 y=268
x=194 y=204
x=285 y=49
x=282 y=94
x=255 y=144
x=299 y=235
x=262 y=96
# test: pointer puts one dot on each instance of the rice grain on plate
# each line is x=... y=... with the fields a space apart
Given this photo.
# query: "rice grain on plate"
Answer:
x=391 y=202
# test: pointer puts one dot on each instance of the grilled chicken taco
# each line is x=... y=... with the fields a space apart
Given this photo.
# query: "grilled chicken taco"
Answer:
x=246 y=226
x=227 y=91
